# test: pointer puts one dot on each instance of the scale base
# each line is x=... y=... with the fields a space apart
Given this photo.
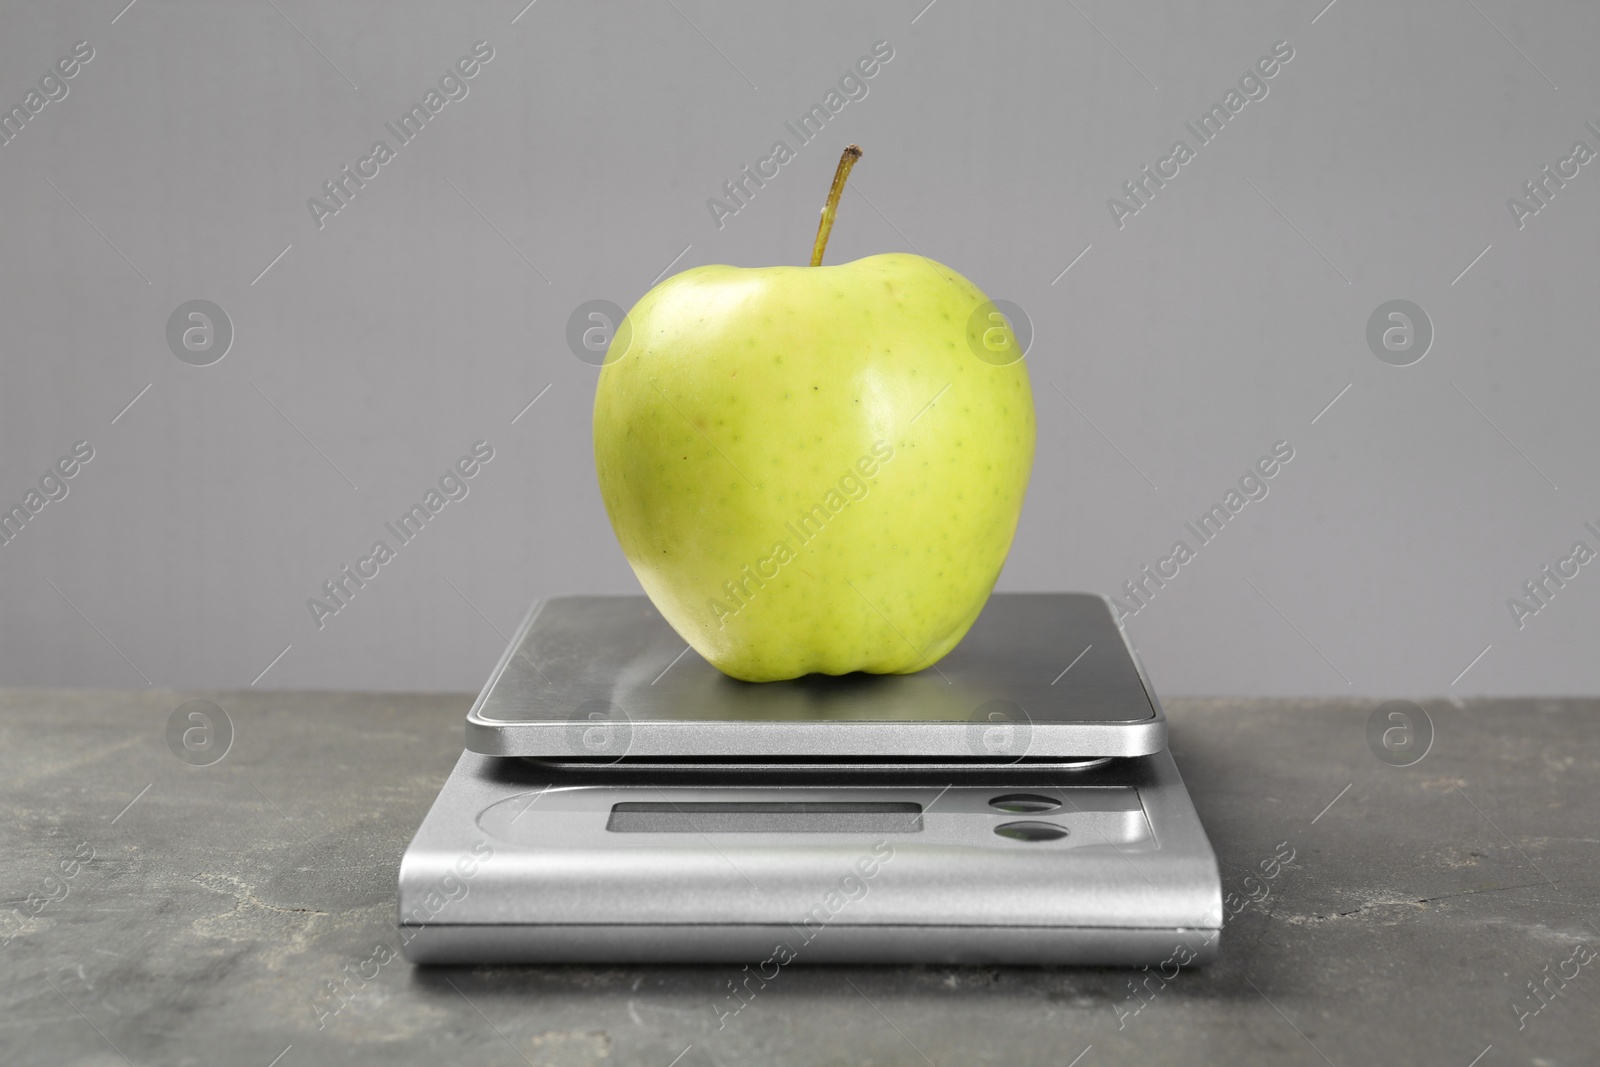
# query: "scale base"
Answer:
x=523 y=863
x=857 y=944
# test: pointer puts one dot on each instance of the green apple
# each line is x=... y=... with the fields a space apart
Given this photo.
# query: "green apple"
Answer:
x=816 y=469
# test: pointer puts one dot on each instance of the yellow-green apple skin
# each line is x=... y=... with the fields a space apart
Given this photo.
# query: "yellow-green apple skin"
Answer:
x=811 y=469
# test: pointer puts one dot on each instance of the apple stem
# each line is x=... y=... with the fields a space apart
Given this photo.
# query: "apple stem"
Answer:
x=825 y=227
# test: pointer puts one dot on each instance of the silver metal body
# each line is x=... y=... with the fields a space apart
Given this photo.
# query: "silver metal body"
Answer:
x=619 y=837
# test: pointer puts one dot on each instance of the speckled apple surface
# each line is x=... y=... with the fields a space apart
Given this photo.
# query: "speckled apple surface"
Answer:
x=810 y=469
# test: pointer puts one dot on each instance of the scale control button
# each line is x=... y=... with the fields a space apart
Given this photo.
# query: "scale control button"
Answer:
x=1024 y=802
x=1031 y=831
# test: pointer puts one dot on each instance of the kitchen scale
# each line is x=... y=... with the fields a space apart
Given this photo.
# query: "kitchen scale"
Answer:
x=621 y=800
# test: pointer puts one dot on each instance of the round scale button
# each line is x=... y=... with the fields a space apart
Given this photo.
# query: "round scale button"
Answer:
x=1031 y=831
x=1024 y=803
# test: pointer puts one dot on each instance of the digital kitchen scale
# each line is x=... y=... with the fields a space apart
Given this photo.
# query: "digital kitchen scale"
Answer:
x=621 y=800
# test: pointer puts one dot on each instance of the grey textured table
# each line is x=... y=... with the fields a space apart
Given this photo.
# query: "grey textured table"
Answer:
x=156 y=912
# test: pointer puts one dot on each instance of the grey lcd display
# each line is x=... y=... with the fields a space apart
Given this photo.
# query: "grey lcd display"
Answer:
x=792 y=817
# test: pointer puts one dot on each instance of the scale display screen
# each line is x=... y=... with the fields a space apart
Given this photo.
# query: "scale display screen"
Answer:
x=794 y=817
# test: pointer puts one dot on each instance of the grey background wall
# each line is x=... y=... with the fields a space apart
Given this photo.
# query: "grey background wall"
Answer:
x=1224 y=316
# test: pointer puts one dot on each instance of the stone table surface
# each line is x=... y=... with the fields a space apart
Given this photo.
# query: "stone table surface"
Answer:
x=156 y=912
